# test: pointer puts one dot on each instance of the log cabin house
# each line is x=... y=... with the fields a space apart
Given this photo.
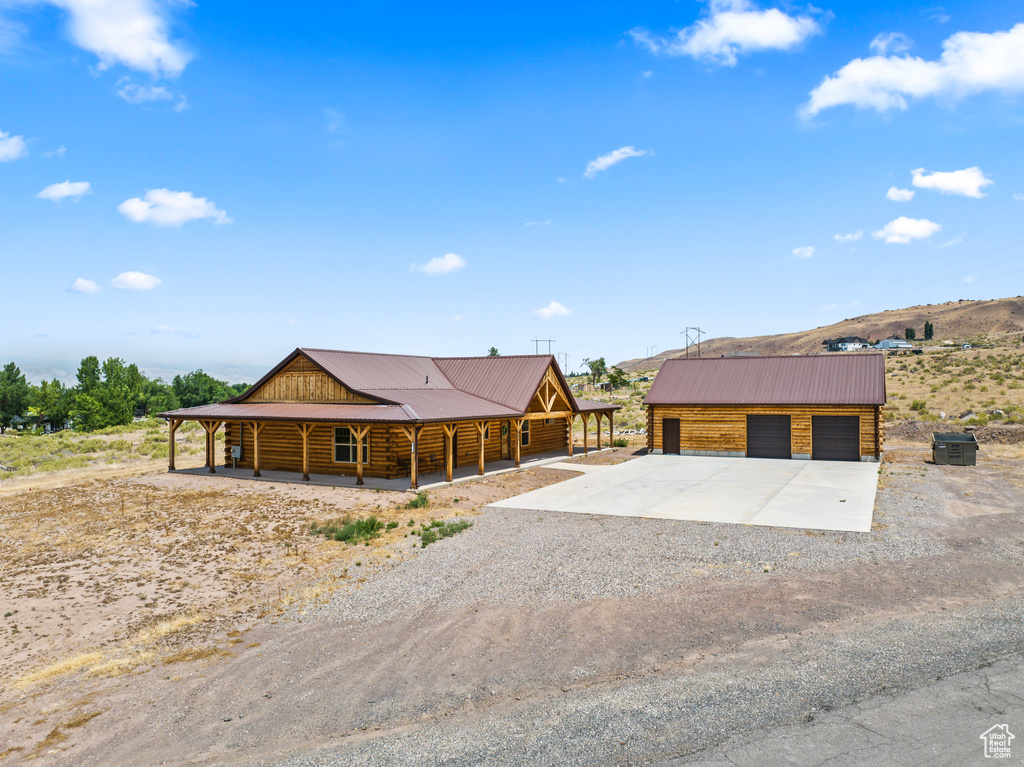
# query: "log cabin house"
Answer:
x=824 y=407
x=390 y=415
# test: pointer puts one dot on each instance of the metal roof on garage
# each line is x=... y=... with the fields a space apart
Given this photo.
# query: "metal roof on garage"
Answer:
x=847 y=379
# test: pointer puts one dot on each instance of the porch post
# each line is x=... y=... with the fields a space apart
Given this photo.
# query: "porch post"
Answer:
x=256 y=429
x=569 y=420
x=412 y=433
x=597 y=418
x=518 y=423
x=360 y=434
x=305 y=429
x=586 y=423
x=480 y=426
x=611 y=428
x=211 y=443
x=449 y=432
x=173 y=423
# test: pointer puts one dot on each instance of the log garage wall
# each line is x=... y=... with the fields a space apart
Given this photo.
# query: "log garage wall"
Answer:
x=723 y=428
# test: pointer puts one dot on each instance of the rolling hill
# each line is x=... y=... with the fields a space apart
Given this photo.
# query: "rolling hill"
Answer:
x=1000 y=320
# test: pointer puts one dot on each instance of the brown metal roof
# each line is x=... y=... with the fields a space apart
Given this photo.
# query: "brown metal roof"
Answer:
x=511 y=381
x=292 y=411
x=835 y=379
x=589 y=405
x=410 y=388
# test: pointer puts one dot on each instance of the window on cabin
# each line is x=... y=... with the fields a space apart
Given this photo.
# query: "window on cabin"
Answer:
x=345 y=446
x=525 y=439
x=487 y=432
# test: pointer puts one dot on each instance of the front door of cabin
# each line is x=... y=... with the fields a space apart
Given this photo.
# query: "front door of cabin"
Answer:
x=455 y=449
x=506 y=441
x=670 y=435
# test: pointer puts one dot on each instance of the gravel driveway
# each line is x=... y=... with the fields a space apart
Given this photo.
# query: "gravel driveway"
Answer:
x=540 y=638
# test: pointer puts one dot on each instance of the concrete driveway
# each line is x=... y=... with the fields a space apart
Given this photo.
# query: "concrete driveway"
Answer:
x=821 y=495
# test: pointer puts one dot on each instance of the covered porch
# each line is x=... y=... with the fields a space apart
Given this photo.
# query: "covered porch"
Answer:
x=401 y=462
x=427 y=481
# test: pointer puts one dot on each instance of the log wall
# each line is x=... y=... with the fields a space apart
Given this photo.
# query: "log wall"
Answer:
x=724 y=427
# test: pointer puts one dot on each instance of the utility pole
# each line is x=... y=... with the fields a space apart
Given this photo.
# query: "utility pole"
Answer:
x=537 y=341
x=563 y=360
x=693 y=336
x=651 y=351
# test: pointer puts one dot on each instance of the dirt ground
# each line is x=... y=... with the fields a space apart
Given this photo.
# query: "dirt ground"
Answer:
x=264 y=675
x=109 y=576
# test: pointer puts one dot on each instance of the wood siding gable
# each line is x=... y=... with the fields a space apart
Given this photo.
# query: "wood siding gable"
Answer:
x=551 y=396
x=302 y=380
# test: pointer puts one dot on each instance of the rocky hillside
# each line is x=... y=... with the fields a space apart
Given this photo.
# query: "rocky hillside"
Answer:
x=1000 y=321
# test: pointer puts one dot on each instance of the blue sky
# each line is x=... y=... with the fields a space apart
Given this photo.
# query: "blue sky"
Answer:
x=212 y=184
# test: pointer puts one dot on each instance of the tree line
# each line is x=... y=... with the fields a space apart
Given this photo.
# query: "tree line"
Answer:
x=107 y=394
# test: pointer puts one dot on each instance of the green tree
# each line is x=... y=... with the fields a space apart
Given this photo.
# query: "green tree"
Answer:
x=86 y=413
x=198 y=388
x=15 y=395
x=157 y=397
x=118 y=392
x=597 y=369
x=617 y=377
x=493 y=352
x=929 y=331
x=54 y=401
x=88 y=375
x=910 y=334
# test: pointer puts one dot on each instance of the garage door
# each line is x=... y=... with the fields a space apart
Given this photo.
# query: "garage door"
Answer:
x=835 y=438
x=768 y=436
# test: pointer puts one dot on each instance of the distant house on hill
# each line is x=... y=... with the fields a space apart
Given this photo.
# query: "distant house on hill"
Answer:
x=894 y=342
x=845 y=344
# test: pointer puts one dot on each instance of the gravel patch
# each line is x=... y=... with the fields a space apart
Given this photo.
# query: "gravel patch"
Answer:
x=535 y=557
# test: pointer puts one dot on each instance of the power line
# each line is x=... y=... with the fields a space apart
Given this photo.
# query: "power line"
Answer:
x=691 y=339
x=537 y=341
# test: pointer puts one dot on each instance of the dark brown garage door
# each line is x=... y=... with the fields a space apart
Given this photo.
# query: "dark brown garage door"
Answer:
x=670 y=435
x=835 y=438
x=768 y=436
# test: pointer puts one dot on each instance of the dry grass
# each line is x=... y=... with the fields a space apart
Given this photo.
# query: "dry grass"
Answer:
x=79 y=662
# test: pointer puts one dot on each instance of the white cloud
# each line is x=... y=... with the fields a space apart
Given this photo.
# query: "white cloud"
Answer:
x=82 y=285
x=647 y=74
x=58 y=152
x=135 y=281
x=173 y=331
x=12 y=147
x=139 y=94
x=971 y=62
x=134 y=33
x=449 y=262
x=1018 y=196
x=955 y=241
x=335 y=120
x=732 y=27
x=456 y=318
x=902 y=230
x=891 y=42
x=899 y=195
x=163 y=207
x=852 y=237
x=967 y=182
x=537 y=223
x=58 y=192
x=805 y=252
x=605 y=161
x=554 y=309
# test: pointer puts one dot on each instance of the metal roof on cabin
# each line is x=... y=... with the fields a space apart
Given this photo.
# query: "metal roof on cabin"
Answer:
x=855 y=379
x=446 y=404
x=366 y=371
x=510 y=381
x=589 y=405
x=292 y=411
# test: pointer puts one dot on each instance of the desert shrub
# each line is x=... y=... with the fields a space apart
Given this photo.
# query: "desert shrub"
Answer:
x=349 y=530
x=919 y=405
x=620 y=442
x=437 y=530
x=421 y=501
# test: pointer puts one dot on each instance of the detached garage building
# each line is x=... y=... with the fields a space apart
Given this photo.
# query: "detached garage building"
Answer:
x=814 y=407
